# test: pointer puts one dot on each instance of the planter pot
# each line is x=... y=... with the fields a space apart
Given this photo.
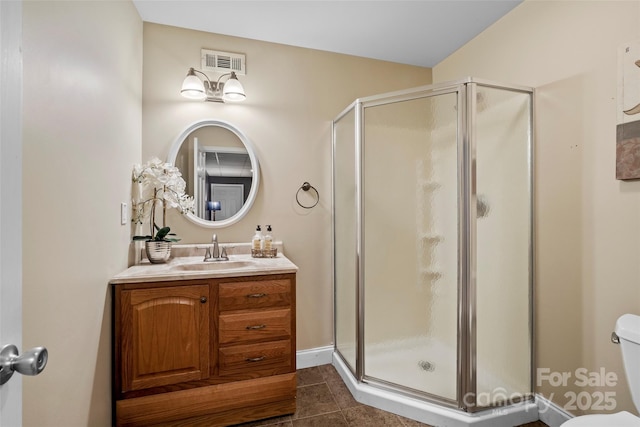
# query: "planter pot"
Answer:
x=157 y=252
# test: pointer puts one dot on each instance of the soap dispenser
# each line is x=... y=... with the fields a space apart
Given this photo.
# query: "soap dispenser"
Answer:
x=268 y=239
x=256 y=242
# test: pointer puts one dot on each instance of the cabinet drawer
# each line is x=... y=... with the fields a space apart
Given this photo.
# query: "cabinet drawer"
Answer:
x=253 y=326
x=255 y=357
x=254 y=294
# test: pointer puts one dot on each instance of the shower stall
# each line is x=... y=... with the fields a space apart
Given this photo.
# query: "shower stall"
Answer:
x=433 y=252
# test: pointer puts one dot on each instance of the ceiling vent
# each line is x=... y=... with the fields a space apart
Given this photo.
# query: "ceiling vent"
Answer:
x=223 y=62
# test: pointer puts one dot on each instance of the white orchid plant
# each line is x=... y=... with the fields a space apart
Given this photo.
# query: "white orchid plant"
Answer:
x=159 y=183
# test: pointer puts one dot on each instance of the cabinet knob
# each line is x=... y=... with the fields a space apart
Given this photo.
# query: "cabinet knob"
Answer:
x=203 y=299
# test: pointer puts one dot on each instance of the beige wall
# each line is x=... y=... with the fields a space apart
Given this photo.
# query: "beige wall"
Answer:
x=293 y=94
x=588 y=233
x=82 y=131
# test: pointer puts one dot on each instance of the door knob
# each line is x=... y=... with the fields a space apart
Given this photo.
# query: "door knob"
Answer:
x=31 y=362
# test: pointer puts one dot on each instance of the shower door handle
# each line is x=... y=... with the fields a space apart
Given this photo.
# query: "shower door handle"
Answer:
x=31 y=362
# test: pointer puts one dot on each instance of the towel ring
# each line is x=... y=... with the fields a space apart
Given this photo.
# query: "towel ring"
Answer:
x=306 y=187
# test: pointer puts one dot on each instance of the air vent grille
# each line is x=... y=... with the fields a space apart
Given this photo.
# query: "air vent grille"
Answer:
x=223 y=62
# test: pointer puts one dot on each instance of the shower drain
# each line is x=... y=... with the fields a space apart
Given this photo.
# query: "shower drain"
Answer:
x=426 y=366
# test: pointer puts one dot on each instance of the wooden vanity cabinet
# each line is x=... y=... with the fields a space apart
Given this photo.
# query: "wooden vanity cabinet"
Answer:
x=212 y=352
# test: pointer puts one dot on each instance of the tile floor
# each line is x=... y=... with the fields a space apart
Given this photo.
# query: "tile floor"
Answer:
x=324 y=401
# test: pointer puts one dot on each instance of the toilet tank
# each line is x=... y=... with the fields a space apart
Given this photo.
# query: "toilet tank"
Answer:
x=628 y=330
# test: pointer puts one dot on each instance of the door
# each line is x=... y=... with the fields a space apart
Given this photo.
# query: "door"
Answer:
x=410 y=222
x=199 y=178
x=231 y=198
x=11 y=200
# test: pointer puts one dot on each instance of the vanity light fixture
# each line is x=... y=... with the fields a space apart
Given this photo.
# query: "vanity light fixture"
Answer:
x=195 y=88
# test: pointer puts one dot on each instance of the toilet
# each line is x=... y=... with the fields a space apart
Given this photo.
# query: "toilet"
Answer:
x=628 y=333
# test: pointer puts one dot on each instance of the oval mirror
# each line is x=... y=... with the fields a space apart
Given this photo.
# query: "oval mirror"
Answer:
x=219 y=164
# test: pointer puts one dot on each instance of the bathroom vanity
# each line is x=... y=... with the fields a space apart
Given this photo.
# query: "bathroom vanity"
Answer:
x=198 y=343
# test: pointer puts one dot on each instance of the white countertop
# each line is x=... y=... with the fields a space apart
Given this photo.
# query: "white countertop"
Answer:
x=193 y=267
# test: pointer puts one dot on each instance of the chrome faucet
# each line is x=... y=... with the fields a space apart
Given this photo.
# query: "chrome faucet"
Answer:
x=213 y=252
x=216 y=248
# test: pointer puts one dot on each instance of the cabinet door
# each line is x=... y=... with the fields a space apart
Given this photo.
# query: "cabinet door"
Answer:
x=164 y=336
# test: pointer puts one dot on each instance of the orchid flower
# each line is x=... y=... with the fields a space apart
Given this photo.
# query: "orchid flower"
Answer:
x=159 y=182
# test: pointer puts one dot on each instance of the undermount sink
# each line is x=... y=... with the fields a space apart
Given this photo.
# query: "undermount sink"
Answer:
x=216 y=265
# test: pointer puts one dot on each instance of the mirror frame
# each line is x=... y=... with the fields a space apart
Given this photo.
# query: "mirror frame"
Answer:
x=255 y=184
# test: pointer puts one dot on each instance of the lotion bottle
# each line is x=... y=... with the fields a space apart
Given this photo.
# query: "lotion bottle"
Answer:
x=268 y=239
x=256 y=242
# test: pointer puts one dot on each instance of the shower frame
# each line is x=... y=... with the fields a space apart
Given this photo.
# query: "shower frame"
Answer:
x=466 y=90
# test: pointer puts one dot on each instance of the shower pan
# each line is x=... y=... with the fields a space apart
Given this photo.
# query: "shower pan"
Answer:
x=433 y=252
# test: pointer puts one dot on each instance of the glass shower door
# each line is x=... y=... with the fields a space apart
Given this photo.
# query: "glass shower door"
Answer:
x=410 y=244
x=503 y=245
x=345 y=235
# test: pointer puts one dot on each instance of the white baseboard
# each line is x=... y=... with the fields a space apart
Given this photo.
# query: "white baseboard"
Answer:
x=550 y=413
x=314 y=357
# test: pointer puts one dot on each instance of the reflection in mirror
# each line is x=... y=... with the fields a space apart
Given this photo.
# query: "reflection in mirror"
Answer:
x=221 y=171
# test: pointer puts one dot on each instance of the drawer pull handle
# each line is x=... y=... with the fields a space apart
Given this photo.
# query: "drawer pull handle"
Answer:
x=255 y=359
x=256 y=295
x=256 y=327
x=203 y=300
